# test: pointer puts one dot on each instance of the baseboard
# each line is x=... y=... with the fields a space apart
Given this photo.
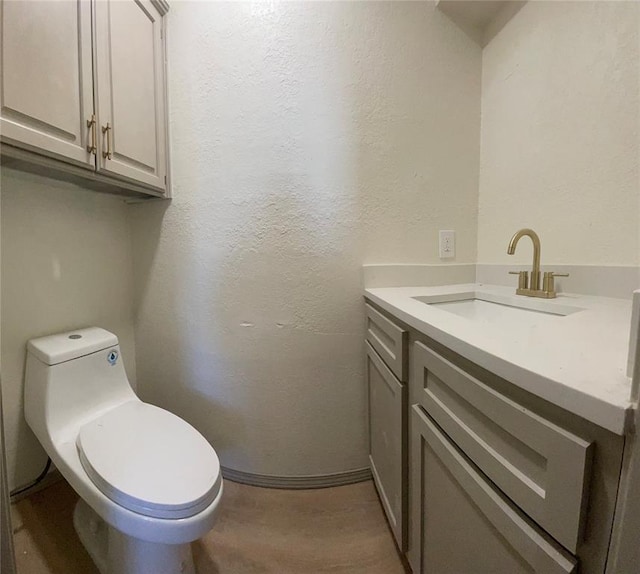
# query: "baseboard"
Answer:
x=264 y=480
x=297 y=482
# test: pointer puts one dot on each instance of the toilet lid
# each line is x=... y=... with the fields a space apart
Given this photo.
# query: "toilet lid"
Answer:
x=150 y=461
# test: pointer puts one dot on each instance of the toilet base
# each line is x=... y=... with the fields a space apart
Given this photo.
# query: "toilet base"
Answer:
x=116 y=553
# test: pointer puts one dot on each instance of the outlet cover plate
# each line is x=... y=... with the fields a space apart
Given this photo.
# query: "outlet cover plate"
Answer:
x=447 y=244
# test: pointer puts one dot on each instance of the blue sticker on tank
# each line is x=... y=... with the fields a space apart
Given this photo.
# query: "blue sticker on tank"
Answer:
x=112 y=357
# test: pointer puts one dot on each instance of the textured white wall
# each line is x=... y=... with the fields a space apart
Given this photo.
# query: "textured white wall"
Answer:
x=307 y=138
x=66 y=263
x=560 y=134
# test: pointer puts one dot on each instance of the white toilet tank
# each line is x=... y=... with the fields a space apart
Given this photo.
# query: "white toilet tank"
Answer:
x=70 y=378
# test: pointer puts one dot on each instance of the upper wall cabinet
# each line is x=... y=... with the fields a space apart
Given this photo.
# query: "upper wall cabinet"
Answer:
x=130 y=90
x=83 y=91
x=47 y=83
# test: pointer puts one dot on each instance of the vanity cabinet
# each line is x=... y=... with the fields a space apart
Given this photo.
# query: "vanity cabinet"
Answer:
x=498 y=479
x=83 y=92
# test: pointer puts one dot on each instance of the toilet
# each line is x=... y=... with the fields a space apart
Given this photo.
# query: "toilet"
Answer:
x=149 y=483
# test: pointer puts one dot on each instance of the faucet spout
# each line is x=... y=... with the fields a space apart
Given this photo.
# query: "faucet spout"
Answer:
x=534 y=285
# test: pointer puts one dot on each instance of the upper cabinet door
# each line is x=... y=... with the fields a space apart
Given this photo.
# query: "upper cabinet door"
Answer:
x=46 y=93
x=130 y=90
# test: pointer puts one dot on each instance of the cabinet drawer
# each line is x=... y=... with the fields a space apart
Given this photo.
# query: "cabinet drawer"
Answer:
x=543 y=468
x=467 y=525
x=389 y=340
x=387 y=454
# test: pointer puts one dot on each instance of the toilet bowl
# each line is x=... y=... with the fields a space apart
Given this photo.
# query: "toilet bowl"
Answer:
x=149 y=483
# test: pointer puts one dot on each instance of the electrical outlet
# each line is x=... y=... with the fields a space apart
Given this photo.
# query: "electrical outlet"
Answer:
x=447 y=244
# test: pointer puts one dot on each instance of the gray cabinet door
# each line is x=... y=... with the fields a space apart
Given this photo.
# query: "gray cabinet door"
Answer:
x=130 y=90
x=47 y=86
x=466 y=526
x=542 y=467
x=387 y=441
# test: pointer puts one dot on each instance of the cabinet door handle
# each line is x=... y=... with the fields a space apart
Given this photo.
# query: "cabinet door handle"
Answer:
x=107 y=130
x=91 y=124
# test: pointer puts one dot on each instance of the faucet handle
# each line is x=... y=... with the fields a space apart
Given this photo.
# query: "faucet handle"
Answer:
x=523 y=278
x=548 y=283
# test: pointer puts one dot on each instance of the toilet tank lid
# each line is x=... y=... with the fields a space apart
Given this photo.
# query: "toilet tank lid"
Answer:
x=64 y=347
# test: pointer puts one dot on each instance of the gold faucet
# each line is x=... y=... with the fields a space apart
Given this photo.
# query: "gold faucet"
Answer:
x=532 y=288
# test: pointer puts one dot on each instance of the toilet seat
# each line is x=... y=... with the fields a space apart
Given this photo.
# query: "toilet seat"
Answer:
x=150 y=461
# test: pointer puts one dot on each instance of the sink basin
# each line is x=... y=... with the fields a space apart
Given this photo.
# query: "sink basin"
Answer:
x=493 y=308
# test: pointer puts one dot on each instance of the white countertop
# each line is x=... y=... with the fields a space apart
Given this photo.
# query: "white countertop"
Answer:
x=577 y=361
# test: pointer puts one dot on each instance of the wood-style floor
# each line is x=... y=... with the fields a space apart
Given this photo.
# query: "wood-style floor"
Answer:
x=335 y=530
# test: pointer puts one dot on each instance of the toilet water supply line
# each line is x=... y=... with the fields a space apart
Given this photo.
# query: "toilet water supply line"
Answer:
x=39 y=478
